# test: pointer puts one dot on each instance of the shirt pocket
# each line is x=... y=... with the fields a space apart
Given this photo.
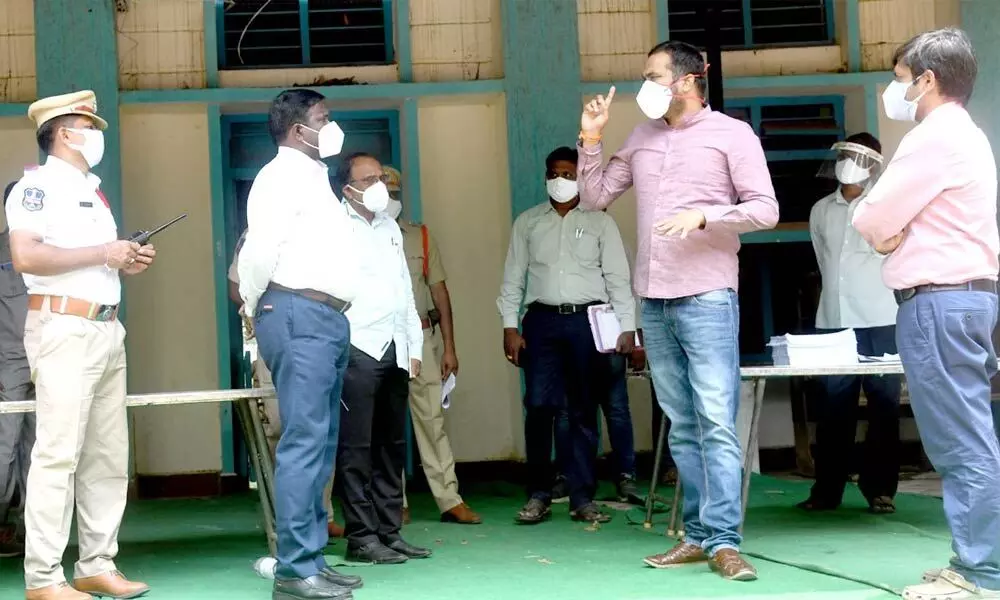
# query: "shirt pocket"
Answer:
x=586 y=248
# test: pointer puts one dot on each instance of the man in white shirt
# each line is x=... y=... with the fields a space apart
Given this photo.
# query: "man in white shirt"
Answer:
x=854 y=296
x=386 y=346
x=297 y=281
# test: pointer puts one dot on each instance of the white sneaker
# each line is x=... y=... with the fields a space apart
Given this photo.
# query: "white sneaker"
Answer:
x=949 y=585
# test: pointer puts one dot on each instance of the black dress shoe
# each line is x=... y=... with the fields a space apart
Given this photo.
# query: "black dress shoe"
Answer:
x=316 y=587
x=348 y=581
x=408 y=549
x=375 y=553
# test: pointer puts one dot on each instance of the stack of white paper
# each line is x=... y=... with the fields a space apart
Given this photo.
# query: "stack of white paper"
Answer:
x=605 y=327
x=820 y=350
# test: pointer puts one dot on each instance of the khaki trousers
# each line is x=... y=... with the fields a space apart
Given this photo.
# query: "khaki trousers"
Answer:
x=81 y=447
x=272 y=428
x=428 y=427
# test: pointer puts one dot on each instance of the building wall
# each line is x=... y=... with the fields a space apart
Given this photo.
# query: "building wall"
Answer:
x=161 y=45
x=17 y=50
x=887 y=24
x=170 y=317
x=18 y=148
x=456 y=40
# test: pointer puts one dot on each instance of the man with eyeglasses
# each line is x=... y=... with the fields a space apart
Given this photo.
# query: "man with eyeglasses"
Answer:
x=386 y=348
x=561 y=261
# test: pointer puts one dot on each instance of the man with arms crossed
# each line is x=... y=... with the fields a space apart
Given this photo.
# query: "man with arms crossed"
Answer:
x=701 y=179
x=297 y=283
x=934 y=212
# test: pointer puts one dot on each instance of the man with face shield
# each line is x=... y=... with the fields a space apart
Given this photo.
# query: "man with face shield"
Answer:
x=385 y=355
x=933 y=212
x=561 y=261
x=853 y=296
x=64 y=241
x=701 y=179
x=297 y=298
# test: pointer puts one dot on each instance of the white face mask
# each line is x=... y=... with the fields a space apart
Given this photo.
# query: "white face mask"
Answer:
x=848 y=172
x=561 y=190
x=330 y=139
x=654 y=99
x=92 y=148
x=375 y=198
x=394 y=209
x=897 y=107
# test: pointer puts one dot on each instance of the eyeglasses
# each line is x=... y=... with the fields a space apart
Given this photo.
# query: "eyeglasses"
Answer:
x=371 y=180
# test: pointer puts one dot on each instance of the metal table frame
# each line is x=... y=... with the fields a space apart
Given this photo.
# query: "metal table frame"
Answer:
x=249 y=408
x=758 y=377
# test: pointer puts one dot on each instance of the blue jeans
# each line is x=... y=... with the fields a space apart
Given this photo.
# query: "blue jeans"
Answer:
x=305 y=344
x=692 y=345
x=562 y=371
x=945 y=343
x=617 y=415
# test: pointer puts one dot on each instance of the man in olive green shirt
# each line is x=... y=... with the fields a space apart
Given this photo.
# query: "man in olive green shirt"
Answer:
x=430 y=294
x=561 y=261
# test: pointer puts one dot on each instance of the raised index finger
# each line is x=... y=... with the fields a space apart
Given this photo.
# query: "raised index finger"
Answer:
x=611 y=96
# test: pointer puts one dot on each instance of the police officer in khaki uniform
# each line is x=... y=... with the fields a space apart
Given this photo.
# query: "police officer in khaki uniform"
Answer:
x=64 y=241
x=262 y=378
x=434 y=307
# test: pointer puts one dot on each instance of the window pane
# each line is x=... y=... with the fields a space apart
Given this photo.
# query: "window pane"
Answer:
x=271 y=38
x=789 y=22
x=347 y=32
x=687 y=23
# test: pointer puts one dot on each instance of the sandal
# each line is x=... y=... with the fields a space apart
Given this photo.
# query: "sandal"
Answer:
x=535 y=511
x=590 y=513
x=669 y=477
x=882 y=505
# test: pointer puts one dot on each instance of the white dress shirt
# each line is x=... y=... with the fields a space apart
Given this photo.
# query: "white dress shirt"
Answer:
x=298 y=232
x=853 y=293
x=383 y=310
x=65 y=207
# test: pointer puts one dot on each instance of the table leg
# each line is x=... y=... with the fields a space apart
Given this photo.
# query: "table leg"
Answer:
x=657 y=464
x=245 y=413
x=758 y=405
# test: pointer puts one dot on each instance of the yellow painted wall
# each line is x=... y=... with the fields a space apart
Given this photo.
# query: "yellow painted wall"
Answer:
x=454 y=40
x=18 y=148
x=17 y=51
x=466 y=203
x=161 y=45
x=170 y=317
x=887 y=24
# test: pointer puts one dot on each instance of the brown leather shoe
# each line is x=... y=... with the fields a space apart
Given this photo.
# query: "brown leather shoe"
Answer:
x=462 y=515
x=678 y=556
x=406 y=515
x=111 y=585
x=334 y=529
x=732 y=566
x=61 y=591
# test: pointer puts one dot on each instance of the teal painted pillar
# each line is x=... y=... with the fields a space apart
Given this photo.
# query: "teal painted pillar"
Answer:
x=76 y=48
x=981 y=20
x=542 y=71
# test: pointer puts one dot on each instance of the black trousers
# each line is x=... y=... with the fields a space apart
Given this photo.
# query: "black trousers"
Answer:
x=837 y=422
x=563 y=371
x=372 y=448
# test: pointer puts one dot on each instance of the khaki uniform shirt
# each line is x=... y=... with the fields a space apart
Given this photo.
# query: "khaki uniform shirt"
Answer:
x=413 y=246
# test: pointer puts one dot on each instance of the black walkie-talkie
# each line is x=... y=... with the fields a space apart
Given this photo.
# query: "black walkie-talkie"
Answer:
x=142 y=237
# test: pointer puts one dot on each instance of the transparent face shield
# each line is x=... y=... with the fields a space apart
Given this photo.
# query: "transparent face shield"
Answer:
x=852 y=164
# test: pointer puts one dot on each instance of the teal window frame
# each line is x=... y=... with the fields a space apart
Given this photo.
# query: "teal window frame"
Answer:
x=748 y=41
x=304 y=38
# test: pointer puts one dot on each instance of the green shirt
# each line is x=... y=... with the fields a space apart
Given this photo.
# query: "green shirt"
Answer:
x=576 y=259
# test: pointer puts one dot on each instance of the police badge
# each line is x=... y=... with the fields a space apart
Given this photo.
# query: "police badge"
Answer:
x=33 y=199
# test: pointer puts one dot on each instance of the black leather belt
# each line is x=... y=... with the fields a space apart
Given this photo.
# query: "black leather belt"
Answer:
x=335 y=303
x=976 y=285
x=562 y=309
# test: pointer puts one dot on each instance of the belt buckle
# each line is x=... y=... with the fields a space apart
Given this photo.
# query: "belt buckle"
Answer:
x=904 y=295
x=566 y=309
x=105 y=312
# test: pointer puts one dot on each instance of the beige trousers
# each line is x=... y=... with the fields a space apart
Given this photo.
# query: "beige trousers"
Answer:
x=272 y=428
x=81 y=449
x=428 y=427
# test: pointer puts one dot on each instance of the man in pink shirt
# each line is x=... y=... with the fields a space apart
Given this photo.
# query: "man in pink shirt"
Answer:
x=934 y=213
x=701 y=179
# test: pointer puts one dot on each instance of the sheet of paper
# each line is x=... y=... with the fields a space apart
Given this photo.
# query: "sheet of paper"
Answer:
x=446 y=389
